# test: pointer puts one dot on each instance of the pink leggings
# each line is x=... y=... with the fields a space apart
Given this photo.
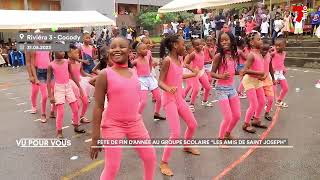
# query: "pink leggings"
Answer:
x=269 y=103
x=44 y=96
x=189 y=83
x=240 y=88
x=256 y=103
x=60 y=114
x=113 y=155
x=81 y=100
x=196 y=88
x=174 y=110
x=230 y=109
x=284 y=89
x=144 y=97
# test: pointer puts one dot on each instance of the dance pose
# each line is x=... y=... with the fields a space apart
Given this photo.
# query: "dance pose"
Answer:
x=243 y=52
x=269 y=81
x=170 y=81
x=40 y=61
x=121 y=85
x=253 y=77
x=63 y=92
x=209 y=52
x=189 y=81
x=224 y=69
x=197 y=59
x=147 y=81
x=77 y=71
x=278 y=56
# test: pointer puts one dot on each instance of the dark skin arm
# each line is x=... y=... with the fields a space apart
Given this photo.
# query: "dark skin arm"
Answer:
x=215 y=64
x=242 y=54
x=28 y=64
x=271 y=70
x=50 y=94
x=189 y=58
x=83 y=61
x=92 y=81
x=96 y=69
x=33 y=68
x=191 y=75
x=99 y=94
x=163 y=74
x=84 y=74
x=247 y=66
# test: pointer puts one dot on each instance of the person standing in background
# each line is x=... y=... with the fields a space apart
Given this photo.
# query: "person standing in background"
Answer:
x=287 y=21
x=315 y=21
x=272 y=18
x=175 y=25
x=220 y=20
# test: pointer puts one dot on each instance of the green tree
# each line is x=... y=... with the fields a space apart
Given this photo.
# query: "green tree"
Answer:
x=149 y=19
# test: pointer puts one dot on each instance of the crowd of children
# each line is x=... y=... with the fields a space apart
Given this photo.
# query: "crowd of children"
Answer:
x=122 y=80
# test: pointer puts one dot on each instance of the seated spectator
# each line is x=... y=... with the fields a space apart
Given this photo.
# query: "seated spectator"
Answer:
x=17 y=58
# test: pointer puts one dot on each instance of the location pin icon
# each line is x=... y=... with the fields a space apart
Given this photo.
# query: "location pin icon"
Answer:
x=21 y=36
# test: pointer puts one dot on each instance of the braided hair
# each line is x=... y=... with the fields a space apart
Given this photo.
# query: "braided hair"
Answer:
x=250 y=37
x=233 y=49
x=168 y=43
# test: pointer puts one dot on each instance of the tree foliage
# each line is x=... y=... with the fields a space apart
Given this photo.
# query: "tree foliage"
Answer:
x=149 y=19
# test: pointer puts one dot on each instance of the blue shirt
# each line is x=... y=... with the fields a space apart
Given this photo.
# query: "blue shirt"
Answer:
x=315 y=18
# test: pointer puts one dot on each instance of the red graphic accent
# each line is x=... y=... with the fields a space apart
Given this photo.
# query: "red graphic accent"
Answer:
x=300 y=10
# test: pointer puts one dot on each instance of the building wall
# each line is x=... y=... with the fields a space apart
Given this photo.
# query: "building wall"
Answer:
x=145 y=2
x=105 y=7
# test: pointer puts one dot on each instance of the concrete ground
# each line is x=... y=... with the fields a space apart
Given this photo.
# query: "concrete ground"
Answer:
x=299 y=123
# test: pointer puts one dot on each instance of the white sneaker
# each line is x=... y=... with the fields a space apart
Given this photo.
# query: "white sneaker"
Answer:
x=33 y=110
x=318 y=85
x=206 y=104
x=9 y=65
x=282 y=104
x=17 y=66
x=242 y=96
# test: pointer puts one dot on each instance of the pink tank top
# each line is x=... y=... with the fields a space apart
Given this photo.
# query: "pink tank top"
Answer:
x=76 y=70
x=87 y=50
x=60 y=72
x=229 y=67
x=143 y=68
x=198 y=60
x=174 y=78
x=42 y=59
x=278 y=61
x=246 y=52
x=206 y=52
x=267 y=59
x=123 y=98
x=258 y=64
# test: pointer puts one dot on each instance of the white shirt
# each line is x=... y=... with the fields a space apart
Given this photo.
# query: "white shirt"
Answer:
x=213 y=24
x=264 y=27
x=278 y=25
x=206 y=29
x=175 y=26
x=129 y=36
